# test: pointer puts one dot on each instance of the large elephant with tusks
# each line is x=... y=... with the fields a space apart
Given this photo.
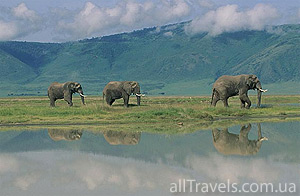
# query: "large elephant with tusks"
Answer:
x=121 y=89
x=228 y=86
x=237 y=144
x=64 y=91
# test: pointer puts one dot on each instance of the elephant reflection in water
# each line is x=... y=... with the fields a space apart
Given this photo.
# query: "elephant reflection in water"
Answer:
x=64 y=134
x=237 y=144
x=122 y=138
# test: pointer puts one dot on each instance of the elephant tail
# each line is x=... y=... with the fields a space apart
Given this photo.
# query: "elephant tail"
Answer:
x=103 y=95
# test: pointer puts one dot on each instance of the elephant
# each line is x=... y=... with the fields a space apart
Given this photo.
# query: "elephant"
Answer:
x=228 y=86
x=122 y=138
x=237 y=144
x=64 y=134
x=64 y=91
x=121 y=89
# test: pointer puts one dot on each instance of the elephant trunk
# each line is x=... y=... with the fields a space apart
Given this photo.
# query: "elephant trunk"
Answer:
x=82 y=96
x=138 y=94
x=260 y=137
x=138 y=98
x=82 y=99
x=259 y=93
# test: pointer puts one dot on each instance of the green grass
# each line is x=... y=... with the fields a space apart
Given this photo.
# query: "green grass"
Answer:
x=155 y=113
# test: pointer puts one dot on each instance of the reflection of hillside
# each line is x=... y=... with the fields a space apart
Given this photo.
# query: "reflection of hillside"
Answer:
x=122 y=138
x=64 y=134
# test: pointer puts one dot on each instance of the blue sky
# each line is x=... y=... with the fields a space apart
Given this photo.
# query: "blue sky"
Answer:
x=68 y=20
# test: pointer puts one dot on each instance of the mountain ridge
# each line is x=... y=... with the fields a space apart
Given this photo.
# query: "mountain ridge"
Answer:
x=157 y=58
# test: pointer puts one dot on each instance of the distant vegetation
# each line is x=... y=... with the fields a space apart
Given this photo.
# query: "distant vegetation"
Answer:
x=166 y=62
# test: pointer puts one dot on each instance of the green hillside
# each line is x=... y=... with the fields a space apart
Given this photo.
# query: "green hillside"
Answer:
x=165 y=62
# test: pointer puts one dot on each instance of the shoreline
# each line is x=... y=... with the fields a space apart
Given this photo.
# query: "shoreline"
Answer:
x=154 y=127
x=174 y=114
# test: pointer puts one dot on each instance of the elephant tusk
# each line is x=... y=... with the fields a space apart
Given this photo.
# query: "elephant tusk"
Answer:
x=140 y=95
x=78 y=136
x=262 y=90
x=263 y=139
x=82 y=95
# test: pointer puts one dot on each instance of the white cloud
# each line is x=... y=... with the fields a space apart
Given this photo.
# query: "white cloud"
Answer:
x=54 y=21
x=220 y=168
x=20 y=22
x=82 y=173
x=24 y=182
x=8 y=164
x=261 y=15
x=229 y=19
x=127 y=174
x=21 y=11
x=132 y=15
x=89 y=20
x=93 y=20
x=178 y=8
x=206 y=3
x=8 y=30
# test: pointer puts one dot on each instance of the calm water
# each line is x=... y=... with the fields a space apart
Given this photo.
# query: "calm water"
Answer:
x=80 y=162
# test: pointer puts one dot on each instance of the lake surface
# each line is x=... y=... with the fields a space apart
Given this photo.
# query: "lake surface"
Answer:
x=81 y=162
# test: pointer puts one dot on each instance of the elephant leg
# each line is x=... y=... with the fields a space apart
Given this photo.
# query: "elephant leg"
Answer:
x=243 y=136
x=225 y=101
x=246 y=99
x=108 y=99
x=70 y=103
x=242 y=103
x=215 y=134
x=52 y=102
x=224 y=133
x=126 y=100
x=215 y=100
x=111 y=101
x=68 y=99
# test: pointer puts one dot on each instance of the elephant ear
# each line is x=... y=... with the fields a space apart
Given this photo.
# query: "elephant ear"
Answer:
x=127 y=87
x=134 y=84
x=77 y=85
x=130 y=86
x=250 y=80
x=71 y=86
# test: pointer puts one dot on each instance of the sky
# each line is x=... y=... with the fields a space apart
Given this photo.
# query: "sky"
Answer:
x=70 y=20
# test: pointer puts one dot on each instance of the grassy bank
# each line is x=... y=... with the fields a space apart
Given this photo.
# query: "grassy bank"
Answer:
x=155 y=113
